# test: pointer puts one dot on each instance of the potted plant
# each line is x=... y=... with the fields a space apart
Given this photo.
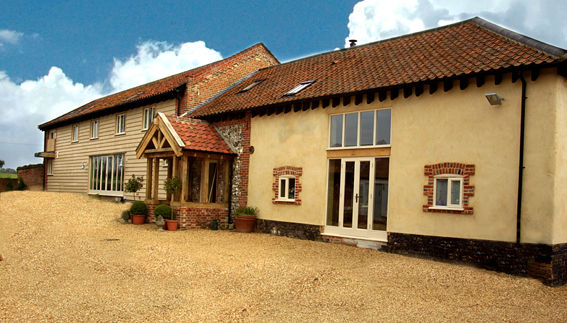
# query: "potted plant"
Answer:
x=138 y=212
x=244 y=218
x=166 y=212
x=133 y=185
x=173 y=186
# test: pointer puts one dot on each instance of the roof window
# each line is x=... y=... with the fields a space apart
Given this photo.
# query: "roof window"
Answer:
x=133 y=96
x=299 y=88
x=251 y=85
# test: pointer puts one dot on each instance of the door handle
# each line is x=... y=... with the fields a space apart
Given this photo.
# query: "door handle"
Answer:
x=356 y=198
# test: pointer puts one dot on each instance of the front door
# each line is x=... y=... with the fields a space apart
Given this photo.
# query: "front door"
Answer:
x=358 y=197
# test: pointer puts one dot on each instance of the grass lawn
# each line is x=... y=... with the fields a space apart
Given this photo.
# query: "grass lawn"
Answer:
x=6 y=175
x=67 y=258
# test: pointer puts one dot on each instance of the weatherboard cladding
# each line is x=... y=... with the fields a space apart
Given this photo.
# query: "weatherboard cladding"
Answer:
x=141 y=94
x=466 y=48
x=199 y=135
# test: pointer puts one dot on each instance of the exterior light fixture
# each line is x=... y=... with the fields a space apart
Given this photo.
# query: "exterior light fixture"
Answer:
x=83 y=165
x=494 y=99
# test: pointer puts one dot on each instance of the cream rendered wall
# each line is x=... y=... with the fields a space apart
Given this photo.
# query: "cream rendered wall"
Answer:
x=560 y=198
x=68 y=176
x=454 y=126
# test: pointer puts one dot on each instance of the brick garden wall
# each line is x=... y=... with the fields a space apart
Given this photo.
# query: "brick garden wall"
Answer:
x=4 y=182
x=32 y=175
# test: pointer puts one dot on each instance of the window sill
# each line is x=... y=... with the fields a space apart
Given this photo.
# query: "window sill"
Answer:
x=94 y=138
x=359 y=147
x=143 y=130
x=74 y=142
x=446 y=208
x=120 y=134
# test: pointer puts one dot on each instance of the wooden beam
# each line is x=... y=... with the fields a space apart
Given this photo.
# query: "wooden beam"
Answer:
x=296 y=107
x=184 y=178
x=325 y=103
x=418 y=89
x=336 y=101
x=149 y=165
x=287 y=108
x=305 y=105
x=535 y=74
x=515 y=76
x=497 y=78
x=562 y=69
x=155 y=142
x=382 y=95
x=394 y=94
x=357 y=99
x=447 y=84
x=346 y=100
x=480 y=80
x=205 y=181
x=314 y=104
x=463 y=83
x=161 y=150
x=433 y=87
x=279 y=109
x=155 y=185
x=407 y=91
x=369 y=97
x=269 y=111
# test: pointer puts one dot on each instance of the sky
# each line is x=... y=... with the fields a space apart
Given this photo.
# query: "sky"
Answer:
x=58 y=55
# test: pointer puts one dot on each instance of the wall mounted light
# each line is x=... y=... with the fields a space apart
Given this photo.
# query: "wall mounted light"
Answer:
x=494 y=99
x=83 y=165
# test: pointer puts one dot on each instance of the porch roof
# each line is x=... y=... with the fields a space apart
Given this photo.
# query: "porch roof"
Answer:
x=199 y=135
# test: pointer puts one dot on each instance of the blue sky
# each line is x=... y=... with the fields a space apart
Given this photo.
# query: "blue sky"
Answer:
x=58 y=55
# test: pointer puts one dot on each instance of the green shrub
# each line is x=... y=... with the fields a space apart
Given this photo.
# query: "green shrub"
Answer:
x=172 y=185
x=139 y=208
x=9 y=186
x=133 y=185
x=164 y=211
x=21 y=185
x=248 y=210
x=125 y=215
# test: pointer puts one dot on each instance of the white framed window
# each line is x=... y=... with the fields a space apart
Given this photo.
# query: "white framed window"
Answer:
x=148 y=118
x=53 y=134
x=360 y=129
x=120 y=124
x=49 y=163
x=94 y=129
x=107 y=174
x=286 y=188
x=448 y=192
x=302 y=86
x=75 y=133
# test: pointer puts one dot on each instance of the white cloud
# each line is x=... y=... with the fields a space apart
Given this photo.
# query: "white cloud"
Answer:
x=25 y=105
x=10 y=36
x=373 y=20
x=155 y=60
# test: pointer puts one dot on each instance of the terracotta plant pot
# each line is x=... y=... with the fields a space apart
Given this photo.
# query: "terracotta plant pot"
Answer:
x=171 y=225
x=245 y=223
x=138 y=218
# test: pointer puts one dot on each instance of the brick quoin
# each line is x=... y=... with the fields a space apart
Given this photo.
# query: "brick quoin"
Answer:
x=287 y=170
x=466 y=170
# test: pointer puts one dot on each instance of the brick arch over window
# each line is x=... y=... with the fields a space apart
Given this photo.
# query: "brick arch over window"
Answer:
x=449 y=168
x=287 y=171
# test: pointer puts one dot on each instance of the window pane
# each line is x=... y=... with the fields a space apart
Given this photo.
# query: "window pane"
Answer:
x=441 y=192
x=383 y=123
x=212 y=182
x=349 y=191
x=351 y=129
x=291 y=189
x=282 y=187
x=380 y=209
x=456 y=192
x=336 y=131
x=363 y=192
x=333 y=193
x=366 y=128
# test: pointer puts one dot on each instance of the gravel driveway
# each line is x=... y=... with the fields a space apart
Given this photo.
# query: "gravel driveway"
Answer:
x=62 y=264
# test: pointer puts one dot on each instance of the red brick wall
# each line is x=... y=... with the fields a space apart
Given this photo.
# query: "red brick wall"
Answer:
x=466 y=170
x=4 y=182
x=296 y=172
x=193 y=217
x=233 y=69
x=32 y=176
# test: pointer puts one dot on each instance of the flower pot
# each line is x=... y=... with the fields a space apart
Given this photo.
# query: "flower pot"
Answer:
x=171 y=225
x=138 y=218
x=245 y=223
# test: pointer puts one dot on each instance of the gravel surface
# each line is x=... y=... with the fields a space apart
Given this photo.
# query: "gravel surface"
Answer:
x=61 y=263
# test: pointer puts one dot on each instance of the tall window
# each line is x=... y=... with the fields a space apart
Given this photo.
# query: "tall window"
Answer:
x=52 y=134
x=94 y=129
x=120 y=124
x=360 y=129
x=148 y=117
x=107 y=174
x=49 y=166
x=75 y=133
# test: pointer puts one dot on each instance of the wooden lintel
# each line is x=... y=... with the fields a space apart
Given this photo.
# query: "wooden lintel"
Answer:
x=497 y=78
x=325 y=103
x=359 y=152
x=433 y=87
x=394 y=94
x=159 y=155
x=382 y=95
x=336 y=101
x=357 y=99
x=407 y=91
x=447 y=84
x=346 y=100
x=159 y=150
x=535 y=74
x=369 y=97
x=479 y=80
x=418 y=89
x=199 y=154
x=463 y=83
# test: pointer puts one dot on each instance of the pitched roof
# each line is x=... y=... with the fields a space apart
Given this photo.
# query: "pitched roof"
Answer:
x=145 y=93
x=199 y=135
x=470 y=47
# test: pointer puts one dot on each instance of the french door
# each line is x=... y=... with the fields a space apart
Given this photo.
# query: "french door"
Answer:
x=357 y=203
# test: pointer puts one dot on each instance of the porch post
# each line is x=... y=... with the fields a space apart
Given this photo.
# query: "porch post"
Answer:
x=175 y=173
x=184 y=178
x=149 y=178
x=205 y=182
x=156 y=179
x=226 y=179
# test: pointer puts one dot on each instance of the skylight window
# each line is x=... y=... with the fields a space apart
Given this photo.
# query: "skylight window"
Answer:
x=299 y=88
x=133 y=96
x=251 y=85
